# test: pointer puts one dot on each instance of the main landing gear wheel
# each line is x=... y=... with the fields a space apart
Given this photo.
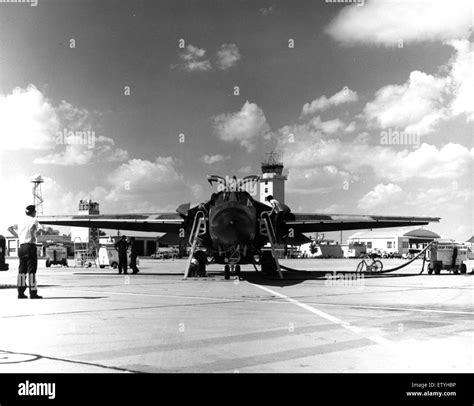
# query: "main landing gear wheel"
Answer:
x=227 y=272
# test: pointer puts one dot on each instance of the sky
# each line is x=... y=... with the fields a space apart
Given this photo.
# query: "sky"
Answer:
x=132 y=103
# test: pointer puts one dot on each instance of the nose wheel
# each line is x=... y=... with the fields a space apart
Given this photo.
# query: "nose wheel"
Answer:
x=237 y=270
x=231 y=269
x=232 y=266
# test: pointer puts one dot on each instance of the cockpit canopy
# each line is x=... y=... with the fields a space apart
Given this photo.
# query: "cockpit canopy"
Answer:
x=243 y=198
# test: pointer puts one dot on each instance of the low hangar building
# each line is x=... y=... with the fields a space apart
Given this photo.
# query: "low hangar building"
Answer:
x=394 y=240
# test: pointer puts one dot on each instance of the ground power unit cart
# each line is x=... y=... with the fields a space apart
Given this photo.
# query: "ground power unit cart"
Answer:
x=448 y=255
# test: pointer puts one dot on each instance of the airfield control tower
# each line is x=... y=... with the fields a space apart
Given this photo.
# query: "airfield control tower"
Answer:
x=86 y=235
x=272 y=181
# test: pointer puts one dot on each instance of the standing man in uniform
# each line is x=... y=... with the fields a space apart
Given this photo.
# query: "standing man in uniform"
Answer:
x=122 y=246
x=133 y=255
x=277 y=213
x=28 y=254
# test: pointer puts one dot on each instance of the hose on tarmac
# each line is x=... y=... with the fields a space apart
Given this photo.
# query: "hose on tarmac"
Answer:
x=286 y=268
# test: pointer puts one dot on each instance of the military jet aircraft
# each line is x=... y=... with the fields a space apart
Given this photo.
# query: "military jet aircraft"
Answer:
x=232 y=228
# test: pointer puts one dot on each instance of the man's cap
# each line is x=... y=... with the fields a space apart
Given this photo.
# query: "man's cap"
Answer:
x=269 y=197
x=30 y=209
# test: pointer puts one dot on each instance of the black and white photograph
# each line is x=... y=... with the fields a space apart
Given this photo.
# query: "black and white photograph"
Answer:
x=253 y=187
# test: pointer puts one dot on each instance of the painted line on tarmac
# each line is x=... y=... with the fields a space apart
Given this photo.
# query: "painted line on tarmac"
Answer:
x=404 y=309
x=358 y=330
x=272 y=301
x=158 y=295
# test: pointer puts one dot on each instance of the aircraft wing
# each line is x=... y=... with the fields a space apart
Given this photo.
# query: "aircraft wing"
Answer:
x=156 y=222
x=308 y=223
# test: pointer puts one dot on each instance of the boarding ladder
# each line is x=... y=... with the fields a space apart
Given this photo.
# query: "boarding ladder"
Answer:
x=270 y=231
x=199 y=228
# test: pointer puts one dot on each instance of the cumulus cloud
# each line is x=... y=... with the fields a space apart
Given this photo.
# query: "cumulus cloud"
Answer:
x=381 y=196
x=462 y=75
x=310 y=148
x=416 y=106
x=385 y=22
x=57 y=198
x=442 y=198
x=117 y=155
x=143 y=185
x=425 y=100
x=227 y=56
x=28 y=120
x=192 y=52
x=345 y=95
x=329 y=126
x=244 y=126
x=448 y=201
x=318 y=179
x=428 y=162
x=60 y=199
x=351 y=127
x=81 y=148
x=73 y=117
x=194 y=59
x=212 y=159
x=73 y=155
x=293 y=137
x=106 y=150
x=421 y=103
x=197 y=191
x=19 y=196
x=141 y=174
x=134 y=186
x=267 y=10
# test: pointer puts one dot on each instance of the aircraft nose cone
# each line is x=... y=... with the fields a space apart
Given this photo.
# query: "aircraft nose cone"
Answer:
x=231 y=226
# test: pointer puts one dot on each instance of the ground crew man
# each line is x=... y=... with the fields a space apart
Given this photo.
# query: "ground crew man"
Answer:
x=277 y=213
x=122 y=246
x=133 y=255
x=28 y=255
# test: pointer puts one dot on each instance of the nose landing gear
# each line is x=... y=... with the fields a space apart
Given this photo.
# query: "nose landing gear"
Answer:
x=232 y=269
x=232 y=265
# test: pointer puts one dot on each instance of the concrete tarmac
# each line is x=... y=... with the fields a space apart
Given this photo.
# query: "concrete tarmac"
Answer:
x=94 y=320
